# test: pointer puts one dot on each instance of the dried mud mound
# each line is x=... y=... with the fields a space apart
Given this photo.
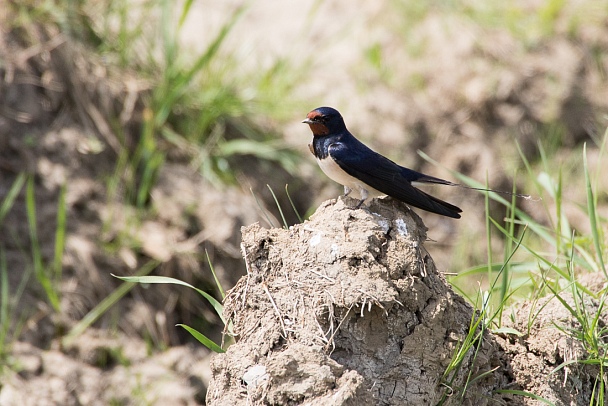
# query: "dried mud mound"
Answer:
x=347 y=309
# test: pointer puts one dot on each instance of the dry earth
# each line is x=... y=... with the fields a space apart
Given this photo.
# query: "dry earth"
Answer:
x=348 y=308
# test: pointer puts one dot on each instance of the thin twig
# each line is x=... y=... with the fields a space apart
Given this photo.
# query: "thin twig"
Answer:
x=323 y=276
x=276 y=309
x=331 y=338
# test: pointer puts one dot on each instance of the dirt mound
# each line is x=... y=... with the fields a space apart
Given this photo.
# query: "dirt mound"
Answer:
x=355 y=293
x=348 y=308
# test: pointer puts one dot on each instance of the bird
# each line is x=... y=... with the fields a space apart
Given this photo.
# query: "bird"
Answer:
x=346 y=160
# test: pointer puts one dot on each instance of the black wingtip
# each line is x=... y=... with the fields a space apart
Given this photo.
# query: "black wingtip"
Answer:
x=443 y=208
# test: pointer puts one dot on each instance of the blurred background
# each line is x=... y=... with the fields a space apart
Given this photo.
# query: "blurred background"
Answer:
x=137 y=137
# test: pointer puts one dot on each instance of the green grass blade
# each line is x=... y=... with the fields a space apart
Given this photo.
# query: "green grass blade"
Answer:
x=151 y=163
x=508 y=255
x=268 y=150
x=264 y=150
x=4 y=303
x=202 y=339
x=602 y=151
x=184 y=14
x=293 y=206
x=563 y=365
x=276 y=201
x=507 y=330
x=599 y=390
x=12 y=194
x=525 y=394
x=169 y=38
x=31 y=217
x=217 y=306
x=488 y=232
x=505 y=267
x=567 y=306
x=214 y=47
x=559 y=213
x=521 y=267
x=179 y=81
x=217 y=282
x=39 y=269
x=60 y=233
x=591 y=207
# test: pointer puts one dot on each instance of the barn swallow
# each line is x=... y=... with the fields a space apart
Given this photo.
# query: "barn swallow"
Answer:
x=349 y=162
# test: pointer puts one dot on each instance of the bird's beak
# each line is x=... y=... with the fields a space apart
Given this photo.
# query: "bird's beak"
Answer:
x=307 y=121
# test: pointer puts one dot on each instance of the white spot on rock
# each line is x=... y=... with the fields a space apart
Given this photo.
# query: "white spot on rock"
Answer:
x=385 y=225
x=335 y=252
x=401 y=227
x=255 y=375
x=315 y=240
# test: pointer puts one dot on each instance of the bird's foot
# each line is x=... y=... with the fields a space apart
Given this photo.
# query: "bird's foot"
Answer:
x=358 y=206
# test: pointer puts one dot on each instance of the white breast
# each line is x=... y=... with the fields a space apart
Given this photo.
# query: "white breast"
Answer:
x=335 y=173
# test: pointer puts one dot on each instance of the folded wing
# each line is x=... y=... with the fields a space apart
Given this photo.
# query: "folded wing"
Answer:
x=387 y=177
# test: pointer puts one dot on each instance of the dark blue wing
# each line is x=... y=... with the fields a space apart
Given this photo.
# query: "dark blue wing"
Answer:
x=384 y=175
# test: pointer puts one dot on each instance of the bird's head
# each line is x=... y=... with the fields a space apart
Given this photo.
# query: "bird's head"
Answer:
x=325 y=121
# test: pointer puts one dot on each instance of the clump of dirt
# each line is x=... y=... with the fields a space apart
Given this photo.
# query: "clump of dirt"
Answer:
x=348 y=308
x=545 y=346
x=355 y=293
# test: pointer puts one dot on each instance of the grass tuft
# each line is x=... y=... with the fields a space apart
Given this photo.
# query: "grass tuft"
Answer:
x=539 y=260
x=44 y=273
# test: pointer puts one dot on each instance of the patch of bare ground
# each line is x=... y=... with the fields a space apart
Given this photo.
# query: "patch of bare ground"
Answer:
x=545 y=346
x=103 y=369
x=61 y=109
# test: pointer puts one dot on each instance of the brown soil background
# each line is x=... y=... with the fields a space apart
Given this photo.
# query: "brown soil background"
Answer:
x=482 y=89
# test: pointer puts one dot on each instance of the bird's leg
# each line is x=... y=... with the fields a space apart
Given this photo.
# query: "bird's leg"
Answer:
x=347 y=191
x=364 y=195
